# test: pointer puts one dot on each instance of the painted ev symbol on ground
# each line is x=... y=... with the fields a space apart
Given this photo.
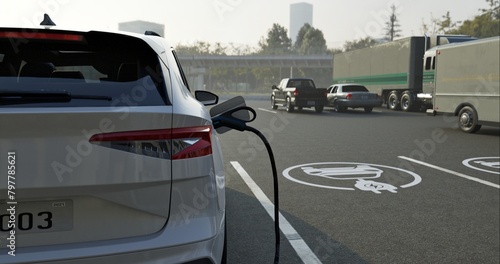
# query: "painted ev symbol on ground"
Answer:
x=344 y=175
x=485 y=164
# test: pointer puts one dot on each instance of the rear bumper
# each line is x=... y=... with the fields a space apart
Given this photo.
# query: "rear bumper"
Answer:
x=194 y=231
x=145 y=250
x=309 y=102
x=199 y=251
x=356 y=103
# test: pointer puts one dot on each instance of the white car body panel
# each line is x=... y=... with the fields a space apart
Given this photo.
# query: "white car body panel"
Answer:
x=126 y=207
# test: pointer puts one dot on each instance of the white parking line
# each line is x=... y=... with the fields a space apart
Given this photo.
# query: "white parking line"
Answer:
x=452 y=172
x=266 y=110
x=300 y=246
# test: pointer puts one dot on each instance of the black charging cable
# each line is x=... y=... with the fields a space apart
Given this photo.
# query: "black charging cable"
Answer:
x=229 y=120
x=276 y=196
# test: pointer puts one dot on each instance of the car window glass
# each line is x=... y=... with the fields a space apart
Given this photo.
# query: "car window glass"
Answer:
x=180 y=71
x=355 y=88
x=122 y=68
x=428 y=63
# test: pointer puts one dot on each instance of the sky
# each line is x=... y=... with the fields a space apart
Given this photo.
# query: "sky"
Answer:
x=241 y=22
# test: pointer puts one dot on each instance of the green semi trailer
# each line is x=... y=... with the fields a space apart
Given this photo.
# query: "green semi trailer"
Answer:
x=393 y=70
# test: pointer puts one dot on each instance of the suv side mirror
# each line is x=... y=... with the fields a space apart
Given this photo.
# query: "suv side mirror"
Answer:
x=206 y=98
x=274 y=87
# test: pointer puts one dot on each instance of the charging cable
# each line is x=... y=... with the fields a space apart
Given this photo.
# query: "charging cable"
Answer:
x=230 y=119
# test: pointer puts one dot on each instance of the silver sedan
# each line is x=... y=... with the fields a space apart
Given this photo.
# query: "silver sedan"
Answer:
x=343 y=96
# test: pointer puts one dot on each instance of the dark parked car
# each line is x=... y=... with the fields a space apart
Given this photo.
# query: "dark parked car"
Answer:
x=300 y=93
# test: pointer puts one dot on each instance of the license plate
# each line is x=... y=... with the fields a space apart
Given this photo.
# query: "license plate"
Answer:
x=311 y=102
x=37 y=217
x=364 y=97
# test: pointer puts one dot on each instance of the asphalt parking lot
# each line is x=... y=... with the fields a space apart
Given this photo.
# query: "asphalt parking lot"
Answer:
x=383 y=187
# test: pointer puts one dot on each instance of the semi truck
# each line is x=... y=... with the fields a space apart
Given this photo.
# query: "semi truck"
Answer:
x=466 y=82
x=393 y=70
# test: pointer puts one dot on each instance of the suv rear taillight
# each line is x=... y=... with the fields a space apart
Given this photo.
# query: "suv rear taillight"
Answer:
x=295 y=92
x=177 y=143
x=349 y=96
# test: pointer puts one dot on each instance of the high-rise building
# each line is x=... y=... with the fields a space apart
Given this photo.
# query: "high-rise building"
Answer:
x=300 y=14
x=140 y=27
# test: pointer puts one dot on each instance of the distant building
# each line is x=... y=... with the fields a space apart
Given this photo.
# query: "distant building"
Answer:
x=140 y=27
x=300 y=14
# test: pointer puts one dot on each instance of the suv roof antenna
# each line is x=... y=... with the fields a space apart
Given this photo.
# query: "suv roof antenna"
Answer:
x=47 y=22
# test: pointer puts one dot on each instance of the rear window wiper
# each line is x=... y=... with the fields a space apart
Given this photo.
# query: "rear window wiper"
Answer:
x=27 y=97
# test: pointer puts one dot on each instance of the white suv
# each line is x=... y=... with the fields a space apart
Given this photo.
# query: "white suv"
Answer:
x=105 y=156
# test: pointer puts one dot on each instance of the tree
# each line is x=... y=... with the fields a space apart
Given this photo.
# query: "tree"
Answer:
x=277 y=41
x=300 y=36
x=480 y=27
x=440 y=26
x=310 y=41
x=201 y=48
x=240 y=49
x=494 y=10
x=432 y=28
x=335 y=51
x=446 y=24
x=359 y=44
x=484 y=25
x=218 y=49
x=219 y=79
x=392 y=26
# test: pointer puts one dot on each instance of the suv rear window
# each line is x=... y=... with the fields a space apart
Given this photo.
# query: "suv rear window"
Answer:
x=66 y=68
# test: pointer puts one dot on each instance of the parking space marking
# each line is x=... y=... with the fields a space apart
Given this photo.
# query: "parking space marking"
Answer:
x=298 y=244
x=266 y=110
x=452 y=172
x=346 y=175
x=493 y=163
